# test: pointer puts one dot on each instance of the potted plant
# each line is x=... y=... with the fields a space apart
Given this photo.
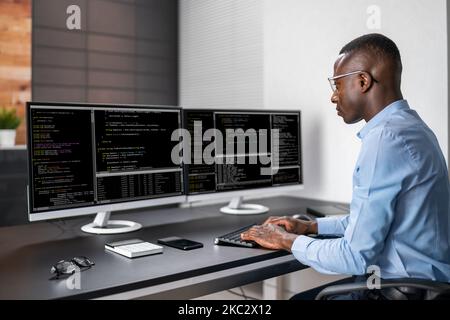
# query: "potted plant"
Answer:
x=9 y=121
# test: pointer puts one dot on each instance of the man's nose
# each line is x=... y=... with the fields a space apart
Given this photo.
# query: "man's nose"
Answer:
x=334 y=97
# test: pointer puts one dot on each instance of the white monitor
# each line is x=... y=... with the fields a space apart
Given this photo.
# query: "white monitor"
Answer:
x=96 y=159
x=237 y=153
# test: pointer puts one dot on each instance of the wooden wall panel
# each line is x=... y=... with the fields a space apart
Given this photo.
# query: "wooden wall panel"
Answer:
x=15 y=57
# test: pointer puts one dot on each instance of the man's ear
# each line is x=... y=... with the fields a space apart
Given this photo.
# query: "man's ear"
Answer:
x=365 y=81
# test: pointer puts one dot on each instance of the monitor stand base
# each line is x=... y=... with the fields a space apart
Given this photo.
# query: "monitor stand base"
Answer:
x=102 y=225
x=236 y=207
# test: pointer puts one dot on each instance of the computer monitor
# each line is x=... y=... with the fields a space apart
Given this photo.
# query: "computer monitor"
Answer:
x=240 y=153
x=95 y=159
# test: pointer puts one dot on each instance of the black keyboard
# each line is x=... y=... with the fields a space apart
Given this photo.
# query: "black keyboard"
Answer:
x=234 y=238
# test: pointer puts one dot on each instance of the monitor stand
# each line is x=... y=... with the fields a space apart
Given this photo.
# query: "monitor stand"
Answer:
x=102 y=225
x=237 y=207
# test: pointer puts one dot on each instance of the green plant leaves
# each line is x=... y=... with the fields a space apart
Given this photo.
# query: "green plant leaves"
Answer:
x=8 y=119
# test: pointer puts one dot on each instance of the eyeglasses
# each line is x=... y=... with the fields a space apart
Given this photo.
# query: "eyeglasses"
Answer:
x=68 y=267
x=332 y=80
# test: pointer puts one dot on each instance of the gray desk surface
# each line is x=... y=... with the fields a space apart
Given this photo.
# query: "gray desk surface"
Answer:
x=28 y=251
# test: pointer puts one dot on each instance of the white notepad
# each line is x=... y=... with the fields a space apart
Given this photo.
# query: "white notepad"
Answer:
x=133 y=248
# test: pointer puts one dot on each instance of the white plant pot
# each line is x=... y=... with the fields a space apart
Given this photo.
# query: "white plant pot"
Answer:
x=7 y=138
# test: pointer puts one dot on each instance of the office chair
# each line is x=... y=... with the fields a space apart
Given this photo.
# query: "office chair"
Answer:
x=395 y=289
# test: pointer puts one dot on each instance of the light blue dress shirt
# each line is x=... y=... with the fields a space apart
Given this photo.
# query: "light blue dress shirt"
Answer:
x=400 y=211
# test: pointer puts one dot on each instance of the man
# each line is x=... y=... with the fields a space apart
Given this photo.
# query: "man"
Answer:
x=399 y=214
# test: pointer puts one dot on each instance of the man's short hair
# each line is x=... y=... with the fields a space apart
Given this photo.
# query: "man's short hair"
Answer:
x=375 y=43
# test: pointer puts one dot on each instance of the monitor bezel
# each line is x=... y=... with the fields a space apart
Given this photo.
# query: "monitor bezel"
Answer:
x=227 y=194
x=93 y=209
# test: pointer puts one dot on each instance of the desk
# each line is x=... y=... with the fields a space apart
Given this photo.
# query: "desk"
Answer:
x=28 y=251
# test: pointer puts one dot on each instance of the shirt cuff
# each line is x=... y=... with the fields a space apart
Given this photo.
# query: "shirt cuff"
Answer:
x=327 y=226
x=299 y=248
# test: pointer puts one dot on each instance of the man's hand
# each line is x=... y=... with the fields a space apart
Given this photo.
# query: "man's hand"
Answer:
x=293 y=225
x=270 y=236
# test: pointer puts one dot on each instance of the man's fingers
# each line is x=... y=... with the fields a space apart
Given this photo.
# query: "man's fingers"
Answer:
x=270 y=219
x=251 y=233
x=281 y=222
x=245 y=236
x=276 y=220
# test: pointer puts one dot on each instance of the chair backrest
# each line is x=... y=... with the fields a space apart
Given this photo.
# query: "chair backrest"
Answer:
x=394 y=289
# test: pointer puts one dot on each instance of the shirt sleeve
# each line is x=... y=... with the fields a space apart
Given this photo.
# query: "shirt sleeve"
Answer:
x=332 y=225
x=383 y=167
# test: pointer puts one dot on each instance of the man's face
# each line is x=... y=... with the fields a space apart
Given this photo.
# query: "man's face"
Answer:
x=347 y=96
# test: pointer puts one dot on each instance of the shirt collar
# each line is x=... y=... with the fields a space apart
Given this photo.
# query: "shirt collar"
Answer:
x=390 y=109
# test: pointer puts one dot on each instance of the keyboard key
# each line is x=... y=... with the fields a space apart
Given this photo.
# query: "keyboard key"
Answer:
x=234 y=238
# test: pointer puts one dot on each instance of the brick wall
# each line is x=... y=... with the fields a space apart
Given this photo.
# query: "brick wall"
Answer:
x=15 y=57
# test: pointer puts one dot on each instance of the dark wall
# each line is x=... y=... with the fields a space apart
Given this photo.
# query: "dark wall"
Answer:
x=13 y=183
x=126 y=52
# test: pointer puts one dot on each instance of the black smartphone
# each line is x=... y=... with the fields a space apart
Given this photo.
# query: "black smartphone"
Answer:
x=180 y=243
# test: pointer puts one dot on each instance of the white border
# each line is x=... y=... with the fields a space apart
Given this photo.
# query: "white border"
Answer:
x=272 y=190
x=65 y=213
